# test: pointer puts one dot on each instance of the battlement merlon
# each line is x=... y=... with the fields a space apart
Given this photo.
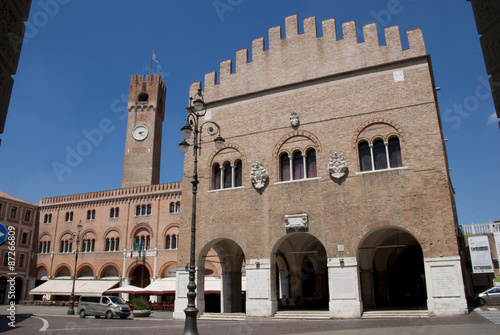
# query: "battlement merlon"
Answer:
x=300 y=57
x=151 y=84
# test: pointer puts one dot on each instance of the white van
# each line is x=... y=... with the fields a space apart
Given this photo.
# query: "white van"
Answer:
x=107 y=306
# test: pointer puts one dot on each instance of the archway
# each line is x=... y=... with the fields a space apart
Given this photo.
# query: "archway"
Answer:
x=224 y=293
x=300 y=273
x=85 y=271
x=110 y=271
x=140 y=276
x=392 y=271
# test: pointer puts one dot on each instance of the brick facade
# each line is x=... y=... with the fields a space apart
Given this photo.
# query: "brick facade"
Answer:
x=344 y=92
x=17 y=259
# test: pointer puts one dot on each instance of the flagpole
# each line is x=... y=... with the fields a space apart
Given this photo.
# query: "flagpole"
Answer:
x=151 y=61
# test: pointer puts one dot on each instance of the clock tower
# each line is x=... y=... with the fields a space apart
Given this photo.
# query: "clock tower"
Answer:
x=146 y=109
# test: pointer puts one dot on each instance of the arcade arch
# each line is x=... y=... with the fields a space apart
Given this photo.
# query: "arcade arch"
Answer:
x=392 y=272
x=231 y=259
x=300 y=275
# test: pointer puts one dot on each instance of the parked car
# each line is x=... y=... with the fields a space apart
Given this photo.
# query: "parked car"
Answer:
x=107 y=306
x=490 y=296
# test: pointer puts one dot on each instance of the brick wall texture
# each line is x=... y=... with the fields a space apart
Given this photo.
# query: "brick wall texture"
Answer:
x=343 y=91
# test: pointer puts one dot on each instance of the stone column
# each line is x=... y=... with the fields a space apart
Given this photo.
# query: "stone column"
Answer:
x=181 y=301
x=343 y=281
x=259 y=293
x=445 y=287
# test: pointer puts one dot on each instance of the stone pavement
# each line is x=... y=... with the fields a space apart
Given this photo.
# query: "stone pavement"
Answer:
x=474 y=323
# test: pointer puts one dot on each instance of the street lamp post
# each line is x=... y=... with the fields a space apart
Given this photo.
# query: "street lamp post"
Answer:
x=77 y=237
x=196 y=109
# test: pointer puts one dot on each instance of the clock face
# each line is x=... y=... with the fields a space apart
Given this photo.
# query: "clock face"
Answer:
x=140 y=133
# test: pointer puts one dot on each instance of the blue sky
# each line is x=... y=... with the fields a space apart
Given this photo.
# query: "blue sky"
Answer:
x=78 y=56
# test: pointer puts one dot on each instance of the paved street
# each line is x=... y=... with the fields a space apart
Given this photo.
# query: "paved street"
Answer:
x=53 y=320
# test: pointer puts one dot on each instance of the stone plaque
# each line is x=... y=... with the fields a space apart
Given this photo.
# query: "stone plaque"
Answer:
x=444 y=281
x=344 y=284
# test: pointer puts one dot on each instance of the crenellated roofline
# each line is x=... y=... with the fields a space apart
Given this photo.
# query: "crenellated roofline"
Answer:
x=302 y=57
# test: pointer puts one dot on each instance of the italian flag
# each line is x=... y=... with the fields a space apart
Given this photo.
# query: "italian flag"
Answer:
x=135 y=247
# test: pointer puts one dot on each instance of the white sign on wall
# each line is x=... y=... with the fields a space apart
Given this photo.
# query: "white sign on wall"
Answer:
x=480 y=256
x=496 y=237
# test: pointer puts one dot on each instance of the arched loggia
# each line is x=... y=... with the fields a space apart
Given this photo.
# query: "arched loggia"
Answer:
x=392 y=271
x=300 y=273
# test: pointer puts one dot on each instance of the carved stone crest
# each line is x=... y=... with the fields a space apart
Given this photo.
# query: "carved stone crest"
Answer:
x=337 y=165
x=296 y=223
x=294 y=119
x=258 y=175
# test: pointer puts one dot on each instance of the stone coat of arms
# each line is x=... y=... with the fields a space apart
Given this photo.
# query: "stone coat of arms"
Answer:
x=337 y=165
x=258 y=175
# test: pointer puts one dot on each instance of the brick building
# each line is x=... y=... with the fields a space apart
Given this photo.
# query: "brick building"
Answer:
x=142 y=210
x=111 y=220
x=17 y=263
x=332 y=191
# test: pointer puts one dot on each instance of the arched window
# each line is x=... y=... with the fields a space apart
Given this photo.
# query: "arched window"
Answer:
x=174 y=242
x=167 y=242
x=284 y=167
x=91 y=214
x=143 y=242
x=228 y=175
x=216 y=172
x=298 y=166
x=365 y=156
x=44 y=247
x=178 y=207
x=66 y=246
x=237 y=173
x=311 y=163
x=142 y=210
x=172 y=207
x=395 y=153
x=69 y=216
x=142 y=97
x=47 y=218
x=88 y=245
x=379 y=155
x=114 y=212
